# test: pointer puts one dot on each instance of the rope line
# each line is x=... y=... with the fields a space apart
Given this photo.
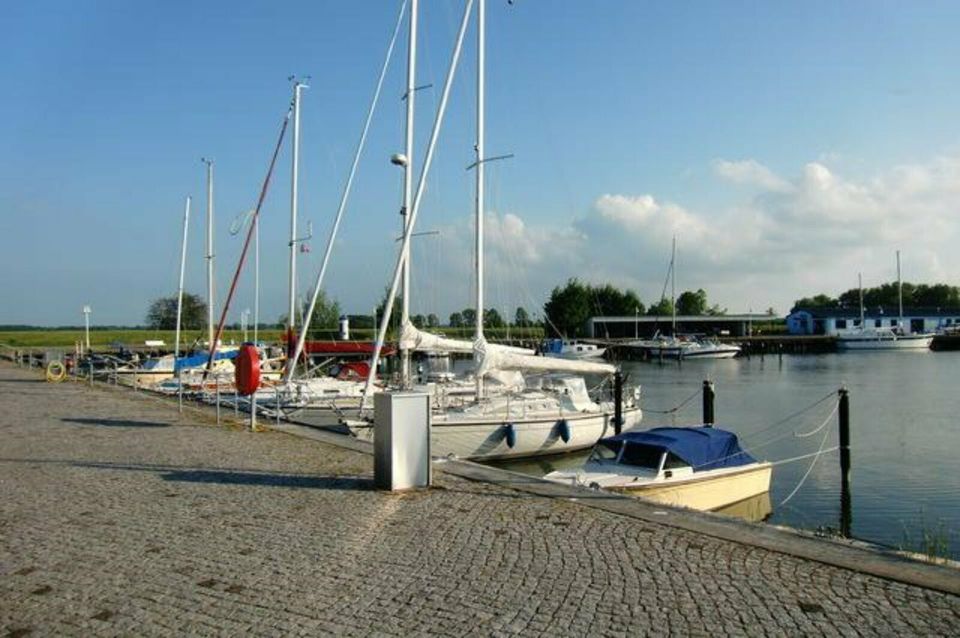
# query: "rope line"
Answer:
x=677 y=407
x=822 y=425
x=794 y=415
x=813 y=463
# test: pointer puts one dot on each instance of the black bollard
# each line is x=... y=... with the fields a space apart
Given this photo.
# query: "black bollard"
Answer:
x=846 y=505
x=617 y=402
x=708 y=396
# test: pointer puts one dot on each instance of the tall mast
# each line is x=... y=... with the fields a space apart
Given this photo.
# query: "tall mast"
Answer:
x=860 y=286
x=183 y=263
x=899 y=294
x=291 y=308
x=209 y=256
x=481 y=28
x=408 y=182
x=673 y=286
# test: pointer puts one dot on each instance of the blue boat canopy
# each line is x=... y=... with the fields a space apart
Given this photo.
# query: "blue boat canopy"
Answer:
x=703 y=448
x=197 y=360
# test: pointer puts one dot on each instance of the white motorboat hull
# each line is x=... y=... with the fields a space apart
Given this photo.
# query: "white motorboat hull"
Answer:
x=884 y=341
x=485 y=440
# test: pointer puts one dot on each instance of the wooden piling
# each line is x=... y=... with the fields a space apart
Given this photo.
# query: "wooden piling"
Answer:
x=708 y=396
x=846 y=506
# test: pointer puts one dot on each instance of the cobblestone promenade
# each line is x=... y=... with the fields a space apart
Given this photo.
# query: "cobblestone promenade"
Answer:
x=118 y=519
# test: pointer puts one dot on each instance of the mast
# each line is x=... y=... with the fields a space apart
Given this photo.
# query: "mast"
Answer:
x=899 y=295
x=408 y=183
x=256 y=278
x=183 y=263
x=209 y=256
x=860 y=285
x=288 y=373
x=481 y=20
x=291 y=307
x=673 y=286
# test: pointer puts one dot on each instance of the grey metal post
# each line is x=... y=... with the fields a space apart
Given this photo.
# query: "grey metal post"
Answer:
x=708 y=396
x=846 y=505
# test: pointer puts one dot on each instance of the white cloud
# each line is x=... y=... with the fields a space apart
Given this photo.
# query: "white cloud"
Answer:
x=752 y=173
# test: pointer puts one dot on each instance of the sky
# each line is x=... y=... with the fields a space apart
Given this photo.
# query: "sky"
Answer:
x=787 y=146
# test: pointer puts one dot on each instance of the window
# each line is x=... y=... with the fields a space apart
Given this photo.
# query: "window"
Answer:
x=841 y=324
x=877 y=323
x=642 y=456
x=894 y=322
x=606 y=451
x=856 y=323
x=673 y=461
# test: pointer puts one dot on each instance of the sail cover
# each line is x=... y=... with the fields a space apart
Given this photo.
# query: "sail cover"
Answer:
x=704 y=448
x=492 y=357
x=411 y=338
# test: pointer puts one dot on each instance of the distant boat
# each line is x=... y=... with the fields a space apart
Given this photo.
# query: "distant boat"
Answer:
x=863 y=338
x=700 y=467
x=563 y=349
x=691 y=347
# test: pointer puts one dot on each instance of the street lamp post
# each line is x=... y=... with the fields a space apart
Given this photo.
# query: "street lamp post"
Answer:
x=86 y=322
x=636 y=323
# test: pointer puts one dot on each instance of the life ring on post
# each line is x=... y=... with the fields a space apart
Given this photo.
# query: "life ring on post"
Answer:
x=247 y=370
x=56 y=372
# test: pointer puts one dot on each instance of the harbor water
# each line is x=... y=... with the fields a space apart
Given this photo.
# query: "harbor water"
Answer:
x=905 y=436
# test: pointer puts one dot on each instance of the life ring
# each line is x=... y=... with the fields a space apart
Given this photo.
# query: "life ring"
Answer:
x=56 y=372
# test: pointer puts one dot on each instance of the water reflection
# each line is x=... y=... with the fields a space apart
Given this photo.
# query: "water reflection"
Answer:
x=755 y=509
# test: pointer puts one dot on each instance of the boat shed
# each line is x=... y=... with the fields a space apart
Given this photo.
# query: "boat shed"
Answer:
x=645 y=326
x=837 y=321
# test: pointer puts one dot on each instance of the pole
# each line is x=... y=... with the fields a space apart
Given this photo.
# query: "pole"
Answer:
x=708 y=396
x=408 y=182
x=846 y=507
x=860 y=286
x=256 y=279
x=291 y=306
x=209 y=164
x=86 y=323
x=253 y=412
x=288 y=373
x=421 y=185
x=899 y=296
x=673 y=287
x=183 y=264
x=479 y=147
x=217 y=380
x=617 y=402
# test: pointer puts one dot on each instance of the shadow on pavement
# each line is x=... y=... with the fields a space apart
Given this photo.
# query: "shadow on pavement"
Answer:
x=118 y=423
x=271 y=480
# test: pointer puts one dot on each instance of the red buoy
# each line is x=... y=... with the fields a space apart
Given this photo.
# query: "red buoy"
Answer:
x=247 y=370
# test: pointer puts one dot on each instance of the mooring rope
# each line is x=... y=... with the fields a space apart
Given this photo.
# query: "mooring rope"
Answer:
x=821 y=426
x=677 y=407
x=816 y=457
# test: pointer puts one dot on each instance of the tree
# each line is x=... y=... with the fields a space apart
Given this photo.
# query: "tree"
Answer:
x=432 y=320
x=419 y=321
x=692 y=303
x=817 y=301
x=492 y=319
x=395 y=313
x=568 y=309
x=663 y=308
x=521 y=319
x=469 y=317
x=456 y=320
x=326 y=313
x=162 y=313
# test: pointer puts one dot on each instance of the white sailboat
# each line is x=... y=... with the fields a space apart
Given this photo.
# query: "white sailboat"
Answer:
x=883 y=338
x=554 y=412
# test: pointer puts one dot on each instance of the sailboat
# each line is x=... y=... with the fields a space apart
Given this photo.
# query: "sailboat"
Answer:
x=550 y=410
x=677 y=346
x=883 y=338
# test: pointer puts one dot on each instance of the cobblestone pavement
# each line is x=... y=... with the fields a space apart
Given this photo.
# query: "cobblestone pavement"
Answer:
x=116 y=519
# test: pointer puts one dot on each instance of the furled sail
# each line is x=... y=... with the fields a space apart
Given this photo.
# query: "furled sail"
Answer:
x=411 y=338
x=492 y=357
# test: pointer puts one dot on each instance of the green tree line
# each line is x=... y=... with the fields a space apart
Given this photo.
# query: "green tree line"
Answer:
x=917 y=295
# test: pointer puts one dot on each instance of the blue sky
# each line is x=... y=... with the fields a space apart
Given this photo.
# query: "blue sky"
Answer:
x=787 y=145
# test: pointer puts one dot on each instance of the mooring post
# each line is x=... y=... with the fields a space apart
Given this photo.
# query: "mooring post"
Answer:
x=846 y=506
x=708 y=396
x=617 y=402
x=91 y=372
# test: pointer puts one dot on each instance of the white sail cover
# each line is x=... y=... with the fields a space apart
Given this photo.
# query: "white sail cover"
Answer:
x=411 y=338
x=492 y=357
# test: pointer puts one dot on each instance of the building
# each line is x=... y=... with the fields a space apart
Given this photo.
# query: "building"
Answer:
x=644 y=327
x=836 y=321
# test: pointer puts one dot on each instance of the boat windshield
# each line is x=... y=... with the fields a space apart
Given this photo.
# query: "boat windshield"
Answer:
x=606 y=451
x=642 y=456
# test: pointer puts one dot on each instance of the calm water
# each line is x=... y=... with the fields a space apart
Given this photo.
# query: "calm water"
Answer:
x=905 y=437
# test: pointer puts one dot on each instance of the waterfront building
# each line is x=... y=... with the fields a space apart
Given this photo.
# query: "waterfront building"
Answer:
x=839 y=321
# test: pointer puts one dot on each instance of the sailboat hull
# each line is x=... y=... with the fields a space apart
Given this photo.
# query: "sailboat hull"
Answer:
x=483 y=440
x=884 y=341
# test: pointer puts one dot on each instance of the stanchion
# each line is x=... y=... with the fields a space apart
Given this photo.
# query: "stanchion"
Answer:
x=218 y=399
x=253 y=412
x=708 y=396
x=179 y=392
x=846 y=505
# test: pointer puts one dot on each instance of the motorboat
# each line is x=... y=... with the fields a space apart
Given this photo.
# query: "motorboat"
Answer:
x=883 y=339
x=571 y=349
x=700 y=467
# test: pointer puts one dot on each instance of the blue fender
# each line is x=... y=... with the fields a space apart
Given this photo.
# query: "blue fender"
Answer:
x=563 y=427
x=510 y=434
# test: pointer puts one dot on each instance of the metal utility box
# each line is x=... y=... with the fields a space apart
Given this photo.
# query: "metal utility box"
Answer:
x=401 y=440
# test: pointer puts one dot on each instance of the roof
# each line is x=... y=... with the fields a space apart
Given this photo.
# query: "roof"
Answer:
x=684 y=318
x=703 y=448
x=875 y=312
